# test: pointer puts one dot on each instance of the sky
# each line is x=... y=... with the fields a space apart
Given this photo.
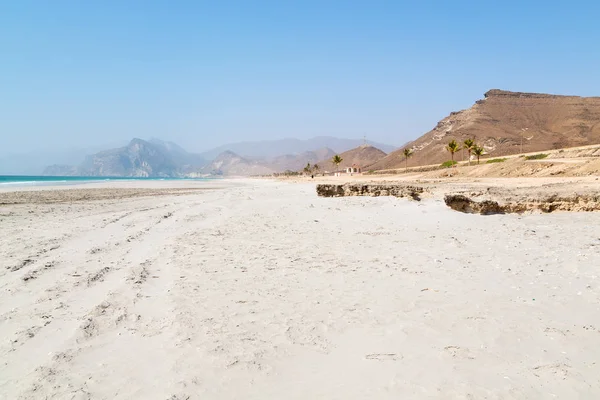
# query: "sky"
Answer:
x=77 y=74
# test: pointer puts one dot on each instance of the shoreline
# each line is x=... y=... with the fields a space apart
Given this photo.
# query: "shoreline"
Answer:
x=508 y=194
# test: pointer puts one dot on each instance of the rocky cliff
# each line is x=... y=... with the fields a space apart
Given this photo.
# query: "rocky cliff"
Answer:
x=502 y=120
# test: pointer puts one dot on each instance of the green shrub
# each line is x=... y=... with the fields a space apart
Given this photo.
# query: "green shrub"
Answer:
x=536 y=156
x=495 y=160
x=448 y=164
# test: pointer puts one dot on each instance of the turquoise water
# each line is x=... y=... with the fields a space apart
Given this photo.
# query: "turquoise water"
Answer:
x=25 y=180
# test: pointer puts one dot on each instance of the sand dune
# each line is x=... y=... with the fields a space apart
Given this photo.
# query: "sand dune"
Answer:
x=261 y=289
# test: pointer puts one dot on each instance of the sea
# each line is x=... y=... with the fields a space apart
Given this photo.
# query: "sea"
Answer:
x=38 y=180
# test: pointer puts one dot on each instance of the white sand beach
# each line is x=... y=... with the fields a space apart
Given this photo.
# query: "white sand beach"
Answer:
x=261 y=290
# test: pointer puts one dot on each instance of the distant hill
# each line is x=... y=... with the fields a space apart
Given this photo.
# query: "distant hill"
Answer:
x=268 y=149
x=179 y=155
x=297 y=162
x=363 y=156
x=229 y=163
x=158 y=158
x=499 y=120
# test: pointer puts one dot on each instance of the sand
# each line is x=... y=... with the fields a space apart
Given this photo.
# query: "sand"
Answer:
x=261 y=290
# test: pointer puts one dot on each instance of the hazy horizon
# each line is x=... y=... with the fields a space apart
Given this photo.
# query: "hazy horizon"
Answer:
x=84 y=75
x=36 y=162
x=97 y=147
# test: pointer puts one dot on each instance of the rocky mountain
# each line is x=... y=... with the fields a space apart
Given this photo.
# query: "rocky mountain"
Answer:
x=363 y=156
x=502 y=120
x=139 y=158
x=229 y=163
x=268 y=149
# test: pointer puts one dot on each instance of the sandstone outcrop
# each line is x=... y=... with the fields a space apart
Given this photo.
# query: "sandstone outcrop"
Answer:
x=542 y=203
x=374 y=190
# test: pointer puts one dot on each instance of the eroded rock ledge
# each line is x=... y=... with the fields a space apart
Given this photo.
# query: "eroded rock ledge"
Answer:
x=493 y=200
x=354 y=189
x=507 y=94
x=549 y=203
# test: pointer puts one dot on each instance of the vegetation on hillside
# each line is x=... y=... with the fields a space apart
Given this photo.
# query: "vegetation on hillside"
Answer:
x=536 y=156
x=448 y=164
x=287 y=173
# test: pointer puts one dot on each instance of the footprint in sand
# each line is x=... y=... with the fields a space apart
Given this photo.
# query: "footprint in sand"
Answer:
x=552 y=370
x=459 y=352
x=384 y=357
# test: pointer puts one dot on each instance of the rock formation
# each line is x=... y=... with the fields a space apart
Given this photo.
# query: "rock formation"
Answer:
x=502 y=120
x=374 y=190
x=493 y=200
x=514 y=203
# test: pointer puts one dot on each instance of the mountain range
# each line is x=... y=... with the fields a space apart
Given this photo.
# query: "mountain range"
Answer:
x=503 y=123
x=157 y=158
x=268 y=149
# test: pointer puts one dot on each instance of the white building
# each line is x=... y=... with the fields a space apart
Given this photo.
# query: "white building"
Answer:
x=354 y=169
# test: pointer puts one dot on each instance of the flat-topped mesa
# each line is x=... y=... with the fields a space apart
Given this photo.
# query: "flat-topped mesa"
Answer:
x=506 y=123
x=521 y=95
x=373 y=190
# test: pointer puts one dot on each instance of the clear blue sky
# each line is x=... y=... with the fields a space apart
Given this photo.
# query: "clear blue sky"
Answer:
x=200 y=73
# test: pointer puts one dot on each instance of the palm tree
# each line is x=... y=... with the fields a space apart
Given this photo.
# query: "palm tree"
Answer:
x=478 y=151
x=316 y=167
x=452 y=147
x=307 y=169
x=468 y=145
x=337 y=160
x=407 y=154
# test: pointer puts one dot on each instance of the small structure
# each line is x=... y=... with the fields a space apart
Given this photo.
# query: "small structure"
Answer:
x=354 y=169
